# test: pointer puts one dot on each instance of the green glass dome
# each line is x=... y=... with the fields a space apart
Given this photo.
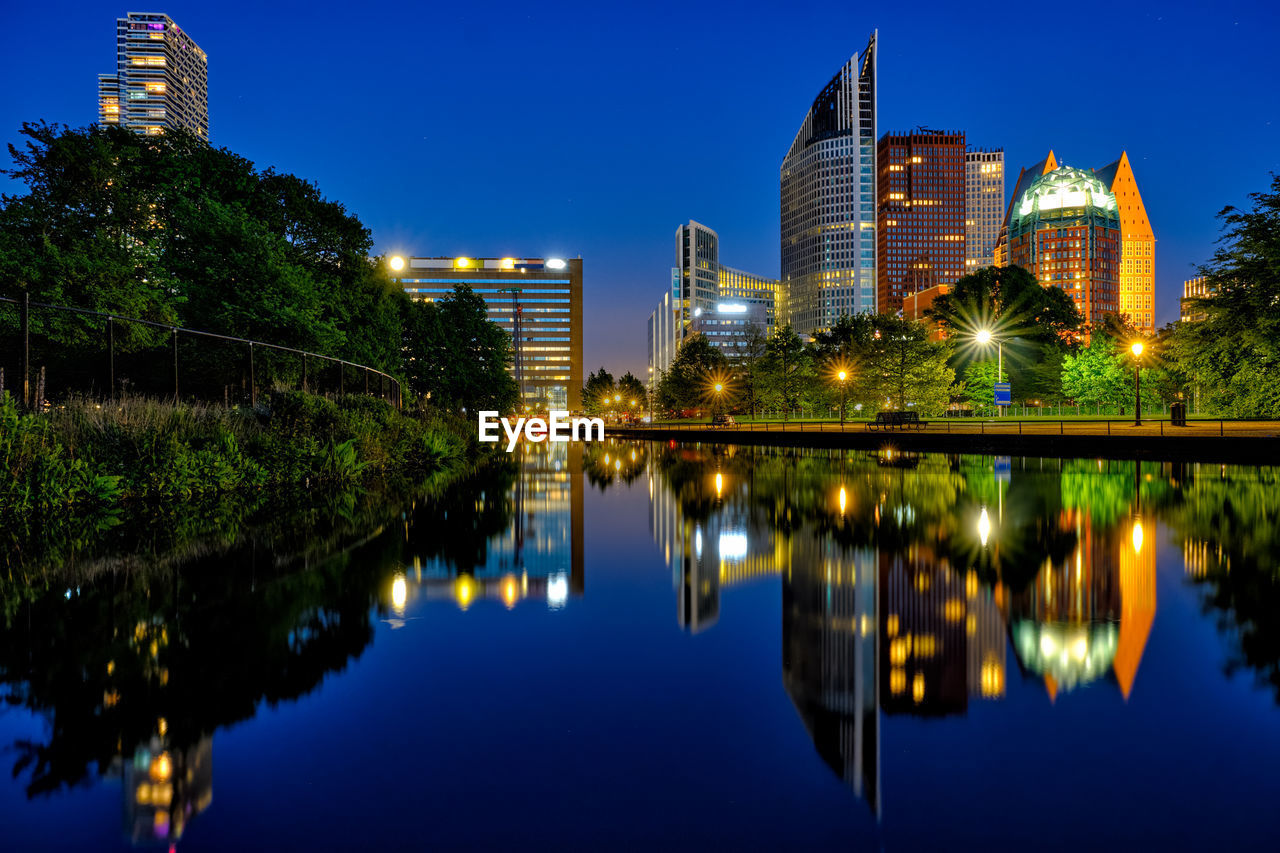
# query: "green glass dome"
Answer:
x=1064 y=191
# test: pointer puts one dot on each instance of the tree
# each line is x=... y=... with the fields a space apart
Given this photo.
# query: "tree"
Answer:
x=458 y=358
x=685 y=385
x=979 y=383
x=1231 y=359
x=902 y=367
x=751 y=368
x=598 y=392
x=1102 y=373
x=788 y=370
x=633 y=392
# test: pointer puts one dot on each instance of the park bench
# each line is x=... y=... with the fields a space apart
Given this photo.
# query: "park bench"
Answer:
x=893 y=420
x=723 y=421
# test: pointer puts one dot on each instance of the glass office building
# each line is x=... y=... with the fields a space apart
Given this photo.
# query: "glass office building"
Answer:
x=828 y=201
x=161 y=78
x=537 y=301
x=983 y=206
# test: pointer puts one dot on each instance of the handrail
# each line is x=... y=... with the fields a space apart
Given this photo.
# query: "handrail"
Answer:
x=25 y=305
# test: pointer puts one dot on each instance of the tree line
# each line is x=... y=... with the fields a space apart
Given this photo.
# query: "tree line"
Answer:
x=172 y=230
x=1226 y=364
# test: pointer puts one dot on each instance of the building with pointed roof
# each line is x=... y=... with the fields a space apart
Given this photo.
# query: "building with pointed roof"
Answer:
x=1138 y=246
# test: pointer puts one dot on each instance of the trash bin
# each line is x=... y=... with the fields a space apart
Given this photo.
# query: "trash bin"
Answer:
x=1178 y=414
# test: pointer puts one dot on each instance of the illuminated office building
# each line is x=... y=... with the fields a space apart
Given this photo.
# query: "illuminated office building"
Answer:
x=161 y=78
x=1193 y=289
x=706 y=297
x=537 y=301
x=920 y=188
x=828 y=201
x=829 y=639
x=1064 y=228
x=1137 y=248
x=983 y=206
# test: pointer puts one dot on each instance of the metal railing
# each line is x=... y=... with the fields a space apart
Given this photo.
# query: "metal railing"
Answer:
x=1150 y=426
x=256 y=365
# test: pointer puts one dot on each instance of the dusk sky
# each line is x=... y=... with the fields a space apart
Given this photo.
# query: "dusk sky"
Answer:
x=548 y=129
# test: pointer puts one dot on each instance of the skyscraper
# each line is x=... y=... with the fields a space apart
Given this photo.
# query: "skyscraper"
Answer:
x=1138 y=246
x=1065 y=229
x=920 y=195
x=828 y=201
x=161 y=78
x=983 y=206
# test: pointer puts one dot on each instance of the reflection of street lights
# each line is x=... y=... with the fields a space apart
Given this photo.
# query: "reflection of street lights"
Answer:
x=984 y=527
x=984 y=337
x=1136 y=349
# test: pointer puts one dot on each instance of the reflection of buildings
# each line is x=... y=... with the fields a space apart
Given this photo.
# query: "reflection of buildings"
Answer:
x=1090 y=614
x=942 y=636
x=538 y=556
x=829 y=658
x=164 y=788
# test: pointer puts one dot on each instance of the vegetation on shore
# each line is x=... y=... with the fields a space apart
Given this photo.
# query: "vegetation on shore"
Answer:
x=89 y=456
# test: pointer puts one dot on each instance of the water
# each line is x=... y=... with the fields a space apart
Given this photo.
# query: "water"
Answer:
x=651 y=645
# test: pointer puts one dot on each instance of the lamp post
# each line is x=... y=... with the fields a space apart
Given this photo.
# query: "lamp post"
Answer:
x=719 y=388
x=985 y=337
x=842 y=376
x=1136 y=349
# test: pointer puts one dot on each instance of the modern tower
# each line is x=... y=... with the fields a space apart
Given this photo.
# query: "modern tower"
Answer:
x=828 y=201
x=920 y=207
x=161 y=78
x=1064 y=228
x=983 y=206
x=1138 y=248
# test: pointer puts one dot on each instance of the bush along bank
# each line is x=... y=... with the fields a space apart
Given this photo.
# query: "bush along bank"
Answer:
x=86 y=455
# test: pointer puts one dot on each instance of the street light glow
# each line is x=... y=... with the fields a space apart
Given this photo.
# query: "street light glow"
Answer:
x=1137 y=348
x=397 y=263
x=983 y=336
x=842 y=376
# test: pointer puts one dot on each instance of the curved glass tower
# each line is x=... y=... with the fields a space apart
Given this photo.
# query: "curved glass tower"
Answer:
x=828 y=191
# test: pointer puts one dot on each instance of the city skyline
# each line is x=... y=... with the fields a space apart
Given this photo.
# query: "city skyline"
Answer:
x=578 y=185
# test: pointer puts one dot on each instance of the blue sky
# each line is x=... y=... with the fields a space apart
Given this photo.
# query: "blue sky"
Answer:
x=594 y=129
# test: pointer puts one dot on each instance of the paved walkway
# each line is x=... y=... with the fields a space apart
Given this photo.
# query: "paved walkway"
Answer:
x=1013 y=426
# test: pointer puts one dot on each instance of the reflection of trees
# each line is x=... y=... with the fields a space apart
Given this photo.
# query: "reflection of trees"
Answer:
x=1227 y=523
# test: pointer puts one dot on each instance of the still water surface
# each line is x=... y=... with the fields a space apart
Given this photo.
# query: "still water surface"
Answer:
x=643 y=645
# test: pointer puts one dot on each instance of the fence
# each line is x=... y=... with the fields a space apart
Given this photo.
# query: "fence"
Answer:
x=1199 y=426
x=79 y=351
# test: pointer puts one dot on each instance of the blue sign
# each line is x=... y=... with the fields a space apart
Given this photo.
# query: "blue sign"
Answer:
x=1004 y=396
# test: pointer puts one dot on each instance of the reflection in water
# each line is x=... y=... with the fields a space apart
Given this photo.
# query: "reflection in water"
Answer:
x=906 y=579
x=136 y=668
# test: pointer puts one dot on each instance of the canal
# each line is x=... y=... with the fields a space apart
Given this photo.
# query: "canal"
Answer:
x=656 y=644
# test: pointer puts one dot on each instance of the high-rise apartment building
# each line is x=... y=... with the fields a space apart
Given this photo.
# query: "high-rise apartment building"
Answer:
x=1065 y=229
x=920 y=192
x=1138 y=247
x=161 y=78
x=537 y=301
x=983 y=206
x=711 y=299
x=828 y=201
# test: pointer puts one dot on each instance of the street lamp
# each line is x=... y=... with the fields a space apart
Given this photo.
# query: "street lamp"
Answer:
x=842 y=376
x=1136 y=349
x=984 y=337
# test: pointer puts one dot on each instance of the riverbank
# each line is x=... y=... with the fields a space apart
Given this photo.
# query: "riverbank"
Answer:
x=86 y=456
x=1237 y=442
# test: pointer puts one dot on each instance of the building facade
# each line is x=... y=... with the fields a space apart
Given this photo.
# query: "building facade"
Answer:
x=1138 y=246
x=983 y=206
x=537 y=301
x=1065 y=229
x=1193 y=289
x=828 y=199
x=726 y=305
x=161 y=78
x=920 y=225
